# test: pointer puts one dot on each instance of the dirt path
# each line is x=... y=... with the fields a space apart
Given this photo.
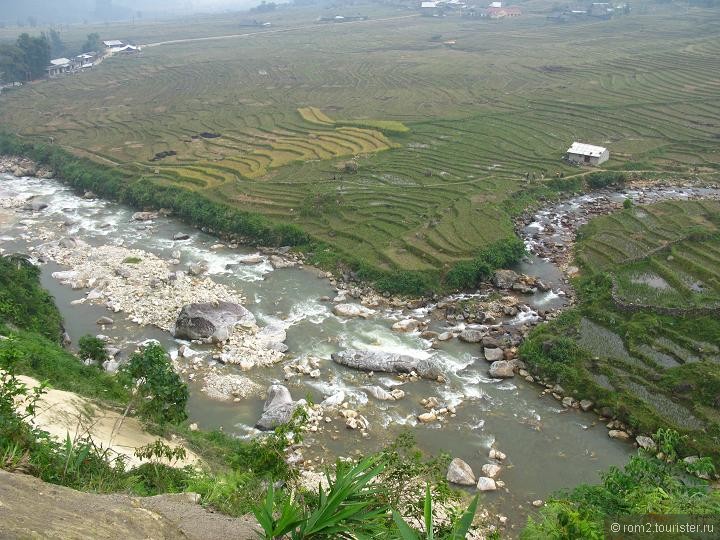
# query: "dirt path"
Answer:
x=31 y=508
x=268 y=32
x=61 y=413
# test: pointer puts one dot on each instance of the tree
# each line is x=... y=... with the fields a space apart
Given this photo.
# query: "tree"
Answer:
x=57 y=47
x=12 y=64
x=92 y=348
x=93 y=43
x=37 y=54
x=162 y=393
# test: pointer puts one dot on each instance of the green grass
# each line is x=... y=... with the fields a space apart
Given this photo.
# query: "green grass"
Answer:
x=442 y=136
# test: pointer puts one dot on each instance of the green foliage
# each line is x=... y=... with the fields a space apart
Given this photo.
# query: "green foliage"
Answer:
x=23 y=302
x=36 y=53
x=92 y=44
x=501 y=254
x=34 y=355
x=348 y=509
x=458 y=532
x=132 y=260
x=92 y=348
x=646 y=485
x=603 y=179
x=13 y=65
x=628 y=203
x=162 y=394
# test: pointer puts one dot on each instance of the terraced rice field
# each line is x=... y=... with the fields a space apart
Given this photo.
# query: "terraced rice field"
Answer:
x=442 y=136
x=666 y=254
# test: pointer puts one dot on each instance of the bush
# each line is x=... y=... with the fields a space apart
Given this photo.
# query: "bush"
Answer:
x=646 y=485
x=599 y=180
x=23 y=302
x=161 y=393
x=501 y=254
x=92 y=348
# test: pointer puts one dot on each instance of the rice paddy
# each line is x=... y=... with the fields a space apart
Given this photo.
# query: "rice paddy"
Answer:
x=665 y=255
x=441 y=136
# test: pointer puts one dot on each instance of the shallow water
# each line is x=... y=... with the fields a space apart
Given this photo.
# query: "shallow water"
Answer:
x=547 y=446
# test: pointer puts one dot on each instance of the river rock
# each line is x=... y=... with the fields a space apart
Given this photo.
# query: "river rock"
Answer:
x=278 y=262
x=486 y=484
x=378 y=392
x=406 y=325
x=586 y=404
x=36 y=206
x=426 y=418
x=504 y=279
x=197 y=268
x=210 y=321
x=144 y=216
x=492 y=354
x=501 y=369
x=618 y=434
x=181 y=236
x=277 y=395
x=470 y=335
x=386 y=362
x=337 y=399
x=460 y=473
x=104 y=321
x=229 y=387
x=352 y=310
x=646 y=442
x=491 y=470
x=278 y=409
x=255 y=258
x=445 y=336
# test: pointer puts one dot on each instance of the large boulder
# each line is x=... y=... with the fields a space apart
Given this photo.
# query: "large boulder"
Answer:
x=386 y=362
x=352 y=310
x=470 y=335
x=501 y=370
x=493 y=354
x=278 y=409
x=378 y=392
x=504 y=279
x=486 y=484
x=406 y=325
x=209 y=321
x=460 y=473
x=277 y=395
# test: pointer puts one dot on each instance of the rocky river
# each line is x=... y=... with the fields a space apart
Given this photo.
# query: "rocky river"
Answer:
x=373 y=366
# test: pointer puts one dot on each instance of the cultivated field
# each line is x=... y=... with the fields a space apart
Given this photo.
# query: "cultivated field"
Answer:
x=667 y=254
x=441 y=134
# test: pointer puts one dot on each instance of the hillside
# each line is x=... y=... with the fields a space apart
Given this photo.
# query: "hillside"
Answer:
x=481 y=104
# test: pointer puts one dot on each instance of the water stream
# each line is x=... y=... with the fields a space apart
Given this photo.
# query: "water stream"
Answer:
x=548 y=447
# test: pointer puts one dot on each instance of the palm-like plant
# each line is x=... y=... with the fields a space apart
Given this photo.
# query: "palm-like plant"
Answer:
x=459 y=530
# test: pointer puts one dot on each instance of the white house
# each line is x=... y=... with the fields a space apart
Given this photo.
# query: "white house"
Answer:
x=113 y=43
x=587 y=154
x=58 y=66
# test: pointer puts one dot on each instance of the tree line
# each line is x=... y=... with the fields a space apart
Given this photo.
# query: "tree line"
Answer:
x=27 y=58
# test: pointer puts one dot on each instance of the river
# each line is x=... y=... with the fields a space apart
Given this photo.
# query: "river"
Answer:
x=548 y=447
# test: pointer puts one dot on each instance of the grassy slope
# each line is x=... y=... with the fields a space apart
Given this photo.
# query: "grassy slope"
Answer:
x=653 y=370
x=506 y=99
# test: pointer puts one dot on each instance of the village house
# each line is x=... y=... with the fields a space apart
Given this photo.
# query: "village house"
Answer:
x=61 y=66
x=587 y=154
x=499 y=12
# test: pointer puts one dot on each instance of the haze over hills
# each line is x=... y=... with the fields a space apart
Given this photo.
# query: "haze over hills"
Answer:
x=33 y=12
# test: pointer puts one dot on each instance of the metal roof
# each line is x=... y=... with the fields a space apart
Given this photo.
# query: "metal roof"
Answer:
x=113 y=43
x=586 y=149
x=59 y=62
x=429 y=4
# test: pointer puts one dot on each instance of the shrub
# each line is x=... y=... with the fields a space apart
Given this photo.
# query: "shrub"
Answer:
x=599 y=180
x=92 y=348
x=501 y=254
x=162 y=394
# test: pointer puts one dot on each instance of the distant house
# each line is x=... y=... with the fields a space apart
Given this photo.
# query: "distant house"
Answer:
x=61 y=66
x=587 y=154
x=113 y=43
x=495 y=4
x=501 y=12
